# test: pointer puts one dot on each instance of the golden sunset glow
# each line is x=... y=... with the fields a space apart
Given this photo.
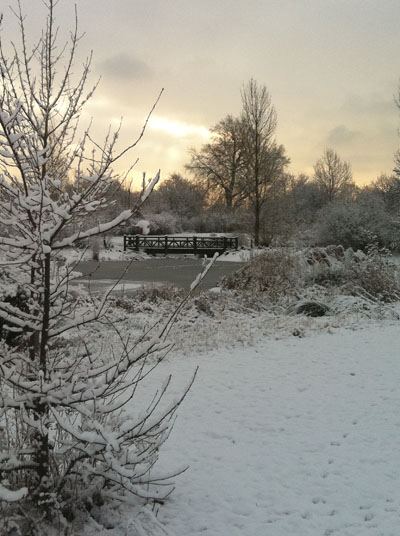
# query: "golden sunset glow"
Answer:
x=175 y=128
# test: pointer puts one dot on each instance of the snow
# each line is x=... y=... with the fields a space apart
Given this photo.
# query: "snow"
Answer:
x=150 y=187
x=144 y=225
x=11 y=496
x=201 y=276
x=294 y=436
x=241 y=255
x=113 y=253
x=283 y=436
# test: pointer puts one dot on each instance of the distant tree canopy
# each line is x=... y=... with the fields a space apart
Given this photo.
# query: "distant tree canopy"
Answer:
x=181 y=196
x=220 y=163
x=333 y=176
x=388 y=188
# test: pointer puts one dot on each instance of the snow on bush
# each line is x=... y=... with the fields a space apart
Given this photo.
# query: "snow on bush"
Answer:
x=355 y=225
x=163 y=223
x=280 y=274
x=274 y=273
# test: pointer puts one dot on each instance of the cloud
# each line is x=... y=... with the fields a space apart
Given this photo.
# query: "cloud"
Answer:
x=126 y=67
x=177 y=128
x=341 y=134
x=372 y=105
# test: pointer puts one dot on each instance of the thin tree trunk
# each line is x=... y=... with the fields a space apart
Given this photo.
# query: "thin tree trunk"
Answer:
x=257 y=210
x=228 y=200
x=42 y=454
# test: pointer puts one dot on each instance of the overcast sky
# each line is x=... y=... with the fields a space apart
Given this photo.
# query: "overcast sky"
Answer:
x=331 y=67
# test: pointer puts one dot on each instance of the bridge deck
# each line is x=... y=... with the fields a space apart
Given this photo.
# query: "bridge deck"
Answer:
x=201 y=245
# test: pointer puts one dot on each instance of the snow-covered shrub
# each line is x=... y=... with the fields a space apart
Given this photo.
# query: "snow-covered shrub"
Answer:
x=274 y=273
x=197 y=224
x=107 y=241
x=163 y=223
x=356 y=226
x=280 y=274
x=373 y=275
x=324 y=266
x=370 y=274
x=143 y=226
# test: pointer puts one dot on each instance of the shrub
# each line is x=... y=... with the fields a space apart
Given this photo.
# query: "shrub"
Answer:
x=163 y=223
x=355 y=226
x=324 y=266
x=282 y=273
x=374 y=276
x=274 y=273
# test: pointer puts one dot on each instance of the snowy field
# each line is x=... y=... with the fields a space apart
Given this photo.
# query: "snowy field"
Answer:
x=296 y=436
x=291 y=437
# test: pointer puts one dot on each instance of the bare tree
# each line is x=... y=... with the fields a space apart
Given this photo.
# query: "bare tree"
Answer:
x=220 y=162
x=333 y=176
x=388 y=188
x=265 y=160
x=63 y=432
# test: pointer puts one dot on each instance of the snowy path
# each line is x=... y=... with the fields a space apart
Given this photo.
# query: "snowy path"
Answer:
x=299 y=436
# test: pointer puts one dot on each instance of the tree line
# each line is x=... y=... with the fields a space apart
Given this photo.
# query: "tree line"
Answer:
x=239 y=182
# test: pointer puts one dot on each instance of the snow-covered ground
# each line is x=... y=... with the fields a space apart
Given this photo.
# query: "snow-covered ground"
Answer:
x=290 y=436
x=292 y=426
x=295 y=436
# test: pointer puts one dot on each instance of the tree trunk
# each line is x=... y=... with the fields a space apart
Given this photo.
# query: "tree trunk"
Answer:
x=257 y=210
x=228 y=200
x=42 y=453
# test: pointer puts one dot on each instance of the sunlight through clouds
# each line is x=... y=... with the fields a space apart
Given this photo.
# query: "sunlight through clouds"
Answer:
x=178 y=129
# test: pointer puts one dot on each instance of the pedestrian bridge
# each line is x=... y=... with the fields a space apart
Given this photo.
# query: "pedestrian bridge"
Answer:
x=197 y=245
